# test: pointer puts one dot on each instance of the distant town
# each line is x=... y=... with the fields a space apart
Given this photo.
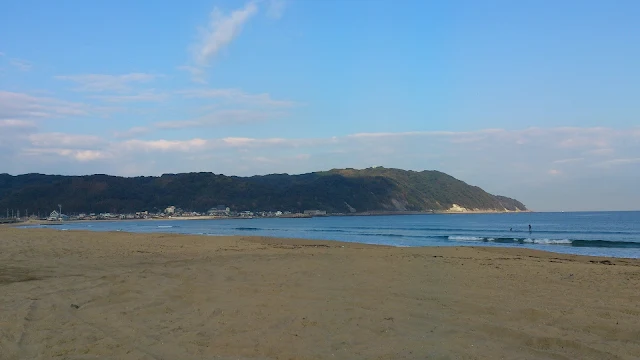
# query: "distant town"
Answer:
x=170 y=212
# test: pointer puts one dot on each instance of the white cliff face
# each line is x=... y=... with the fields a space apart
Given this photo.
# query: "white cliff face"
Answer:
x=457 y=208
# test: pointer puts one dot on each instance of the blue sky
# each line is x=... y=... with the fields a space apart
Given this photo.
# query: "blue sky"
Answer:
x=538 y=100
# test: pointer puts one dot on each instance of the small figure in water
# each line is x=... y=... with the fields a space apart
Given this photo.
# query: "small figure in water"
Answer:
x=510 y=229
x=529 y=227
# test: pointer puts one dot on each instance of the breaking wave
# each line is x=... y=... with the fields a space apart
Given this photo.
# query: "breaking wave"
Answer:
x=566 y=242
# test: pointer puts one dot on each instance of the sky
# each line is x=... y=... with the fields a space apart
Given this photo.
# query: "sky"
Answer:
x=536 y=100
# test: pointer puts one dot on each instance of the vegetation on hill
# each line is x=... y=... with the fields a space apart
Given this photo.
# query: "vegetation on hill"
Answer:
x=338 y=190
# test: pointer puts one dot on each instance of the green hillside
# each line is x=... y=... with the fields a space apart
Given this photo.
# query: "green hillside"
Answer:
x=338 y=190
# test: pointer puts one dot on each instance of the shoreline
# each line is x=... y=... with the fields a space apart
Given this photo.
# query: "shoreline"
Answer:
x=207 y=217
x=81 y=294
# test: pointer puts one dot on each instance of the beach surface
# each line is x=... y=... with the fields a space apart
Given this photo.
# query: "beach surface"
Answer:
x=91 y=295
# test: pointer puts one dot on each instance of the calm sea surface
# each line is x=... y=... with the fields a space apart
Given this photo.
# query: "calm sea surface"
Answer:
x=615 y=234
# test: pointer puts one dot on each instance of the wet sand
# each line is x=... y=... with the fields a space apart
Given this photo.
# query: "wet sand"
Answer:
x=83 y=295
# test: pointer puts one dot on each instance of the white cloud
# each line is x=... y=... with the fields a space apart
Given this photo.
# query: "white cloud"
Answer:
x=13 y=123
x=78 y=155
x=275 y=8
x=165 y=145
x=91 y=155
x=554 y=172
x=46 y=147
x=103 y=82
x=219 y=33
x=586 y=137
x=222 y=30
x=62 y=140
x=237 y=96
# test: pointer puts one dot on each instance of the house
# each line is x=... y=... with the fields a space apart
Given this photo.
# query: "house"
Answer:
x=170 y=210
x=56 y=216
x=246 y=214
x=219 y=210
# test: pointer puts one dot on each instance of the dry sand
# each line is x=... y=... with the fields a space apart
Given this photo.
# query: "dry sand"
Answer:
x=81 y=295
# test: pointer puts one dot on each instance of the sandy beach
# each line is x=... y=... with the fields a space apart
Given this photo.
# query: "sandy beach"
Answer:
x=83 y=295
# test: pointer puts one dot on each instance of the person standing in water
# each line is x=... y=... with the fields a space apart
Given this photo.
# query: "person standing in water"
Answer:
x=529 y=227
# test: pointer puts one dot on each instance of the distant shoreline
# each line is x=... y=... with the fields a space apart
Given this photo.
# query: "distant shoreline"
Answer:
x=206 y=217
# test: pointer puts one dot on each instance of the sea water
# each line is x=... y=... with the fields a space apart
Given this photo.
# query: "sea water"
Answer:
x=614 y=234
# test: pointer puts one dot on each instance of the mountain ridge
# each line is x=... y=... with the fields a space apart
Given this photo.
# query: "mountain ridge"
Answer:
x=347 y=190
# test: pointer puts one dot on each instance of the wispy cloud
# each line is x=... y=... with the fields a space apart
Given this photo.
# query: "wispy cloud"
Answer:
x=605 y=151
x=197 y=73
x=23 y=106
x=219 y=33
x=103 y=82
x=565 y=161
x=21 y=65
x=147 y=96
x=616 y=162
x=63 y=140
x=237 y=96
x=222 y=117
x=222 y=30
x=17 y=124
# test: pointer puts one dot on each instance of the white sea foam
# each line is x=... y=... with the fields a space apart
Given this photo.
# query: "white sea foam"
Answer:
x=548 y=241
x=165 y=226
x=466 y=238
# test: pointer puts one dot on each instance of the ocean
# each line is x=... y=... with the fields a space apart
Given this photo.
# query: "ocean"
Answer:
x=612 y=234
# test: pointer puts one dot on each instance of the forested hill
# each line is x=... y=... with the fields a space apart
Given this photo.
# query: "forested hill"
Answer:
x=336 y=191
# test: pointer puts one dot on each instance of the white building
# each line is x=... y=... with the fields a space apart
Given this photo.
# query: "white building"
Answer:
x=56 y=216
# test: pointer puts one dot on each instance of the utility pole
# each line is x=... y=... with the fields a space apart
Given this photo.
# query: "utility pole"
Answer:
x=60 y=214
